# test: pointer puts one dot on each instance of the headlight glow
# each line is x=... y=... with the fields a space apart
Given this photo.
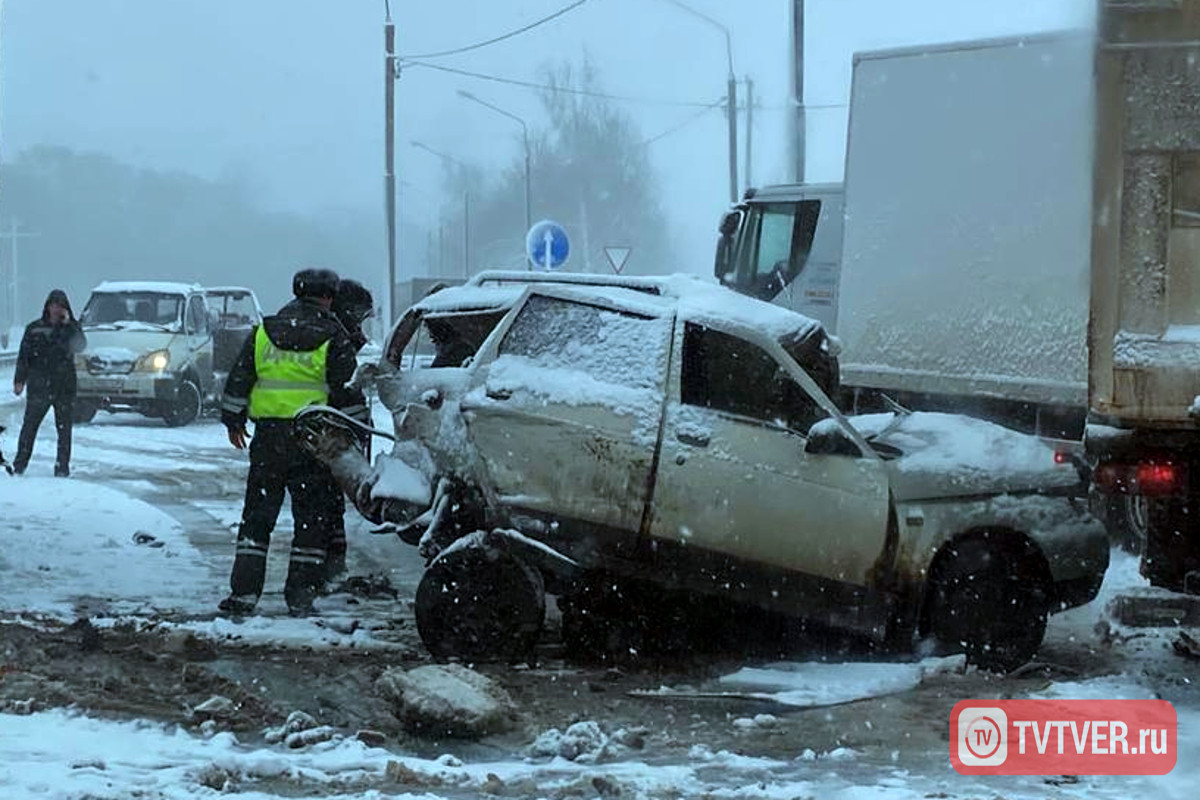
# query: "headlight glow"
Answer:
x=156 y=361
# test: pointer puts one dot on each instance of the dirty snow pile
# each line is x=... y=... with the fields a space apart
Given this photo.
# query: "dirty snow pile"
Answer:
x=66 y=542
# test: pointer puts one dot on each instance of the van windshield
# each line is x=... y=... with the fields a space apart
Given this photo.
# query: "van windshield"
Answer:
x=132 y=311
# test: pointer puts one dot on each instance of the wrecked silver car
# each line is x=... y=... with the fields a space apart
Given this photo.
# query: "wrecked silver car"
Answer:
x=638 y=446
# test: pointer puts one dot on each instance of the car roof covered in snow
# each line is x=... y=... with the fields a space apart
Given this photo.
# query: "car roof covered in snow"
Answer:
x=154 y=287
x=697 y=299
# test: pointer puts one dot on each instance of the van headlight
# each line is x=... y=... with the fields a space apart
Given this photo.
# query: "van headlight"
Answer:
x=156 y=361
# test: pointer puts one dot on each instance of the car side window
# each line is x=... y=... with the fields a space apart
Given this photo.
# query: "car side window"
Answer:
x=615 y=347
x=728 y=374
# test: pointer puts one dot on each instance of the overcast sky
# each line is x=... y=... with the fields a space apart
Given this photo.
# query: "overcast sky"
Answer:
x=288 y=95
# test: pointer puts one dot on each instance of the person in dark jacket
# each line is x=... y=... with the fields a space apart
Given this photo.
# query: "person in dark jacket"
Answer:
x=46 y=368
x=352 y=305
x=299 y=356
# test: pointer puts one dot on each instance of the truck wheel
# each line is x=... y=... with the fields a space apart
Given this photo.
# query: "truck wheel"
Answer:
x=1172 y=550
x=989 y=599
x=84 y=411
x=480 y=604
x=1126 y=516
x=185 y=407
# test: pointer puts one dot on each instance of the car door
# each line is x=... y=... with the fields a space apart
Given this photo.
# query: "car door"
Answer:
x=567 y=407
x=199 y=341
x=734 y=478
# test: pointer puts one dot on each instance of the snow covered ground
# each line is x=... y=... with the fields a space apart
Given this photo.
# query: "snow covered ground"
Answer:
x=141 y=536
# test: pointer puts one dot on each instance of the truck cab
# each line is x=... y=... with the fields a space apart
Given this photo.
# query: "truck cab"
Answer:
x=783 y=244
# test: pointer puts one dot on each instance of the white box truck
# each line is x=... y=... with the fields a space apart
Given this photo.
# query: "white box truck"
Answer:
x=1018 y=238
x=953 y=265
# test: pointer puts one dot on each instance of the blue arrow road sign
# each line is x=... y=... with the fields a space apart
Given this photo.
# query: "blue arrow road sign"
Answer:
x=547 y=245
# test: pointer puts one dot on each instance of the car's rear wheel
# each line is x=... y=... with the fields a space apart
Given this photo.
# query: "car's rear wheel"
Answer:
x=989 y=596
x=479 y=603
x=84 y=411
x=184 y=408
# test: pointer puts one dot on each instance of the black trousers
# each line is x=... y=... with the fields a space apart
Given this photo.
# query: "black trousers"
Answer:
x=279 y=464
x=37 y=403
x=335 y=550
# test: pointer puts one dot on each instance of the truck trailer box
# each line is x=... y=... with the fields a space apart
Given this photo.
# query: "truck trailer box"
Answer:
x=968 y=191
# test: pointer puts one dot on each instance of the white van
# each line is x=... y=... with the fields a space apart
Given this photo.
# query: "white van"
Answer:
x=151 y=348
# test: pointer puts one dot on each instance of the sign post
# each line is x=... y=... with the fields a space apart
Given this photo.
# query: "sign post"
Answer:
x=547 y=246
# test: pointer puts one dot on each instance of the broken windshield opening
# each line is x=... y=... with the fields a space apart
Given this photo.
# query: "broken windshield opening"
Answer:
x=442 y=340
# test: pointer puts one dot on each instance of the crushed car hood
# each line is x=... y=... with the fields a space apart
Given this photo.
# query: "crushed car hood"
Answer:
x=950 y=455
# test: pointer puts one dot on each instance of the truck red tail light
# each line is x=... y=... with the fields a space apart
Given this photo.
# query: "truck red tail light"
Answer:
x=1145 y=478
x=1152 y=478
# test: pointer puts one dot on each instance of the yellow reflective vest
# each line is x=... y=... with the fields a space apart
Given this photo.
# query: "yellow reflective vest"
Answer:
x=288 y=380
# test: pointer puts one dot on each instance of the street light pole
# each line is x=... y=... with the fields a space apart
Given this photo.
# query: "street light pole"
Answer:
x=800 y=121
x=730 y=94
x=525 y=139
x=389 y=168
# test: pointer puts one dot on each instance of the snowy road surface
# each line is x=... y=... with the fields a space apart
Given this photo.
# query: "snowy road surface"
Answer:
x=139 y=540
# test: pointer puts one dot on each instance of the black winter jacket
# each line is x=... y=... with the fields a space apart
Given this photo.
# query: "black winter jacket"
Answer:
x=300 y=325
x=46 y=361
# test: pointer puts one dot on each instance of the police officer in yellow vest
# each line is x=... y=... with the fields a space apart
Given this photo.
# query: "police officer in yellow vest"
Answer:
x=298 y=357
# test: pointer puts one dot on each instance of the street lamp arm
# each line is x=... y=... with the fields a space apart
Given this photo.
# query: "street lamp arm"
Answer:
x=439 y=154
x=714 y=23
x=468 y=96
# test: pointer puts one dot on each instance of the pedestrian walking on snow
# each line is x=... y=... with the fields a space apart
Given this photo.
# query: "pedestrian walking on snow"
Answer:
x=46 y=374
x=300 y=356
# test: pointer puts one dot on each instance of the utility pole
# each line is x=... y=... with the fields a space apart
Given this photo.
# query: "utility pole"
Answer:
x=389 y=159
x=11 y=297
x=800 y=121
x=749 y=130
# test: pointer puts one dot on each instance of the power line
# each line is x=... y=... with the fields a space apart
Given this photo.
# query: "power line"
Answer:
x=684 y=122
x=545 y=87
x=500 y=38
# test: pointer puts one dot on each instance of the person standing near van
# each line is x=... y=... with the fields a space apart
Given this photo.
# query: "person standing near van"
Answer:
x=46 y=370
x=300 y=356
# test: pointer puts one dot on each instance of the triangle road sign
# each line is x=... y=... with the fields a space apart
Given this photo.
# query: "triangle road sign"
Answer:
x=617 y=256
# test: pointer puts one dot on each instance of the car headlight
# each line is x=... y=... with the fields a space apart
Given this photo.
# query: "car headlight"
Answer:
x=156 y=361
x=80 y=362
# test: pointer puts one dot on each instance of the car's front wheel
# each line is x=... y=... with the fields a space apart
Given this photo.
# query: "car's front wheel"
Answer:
x=480 y=603
x=184 y=408
x=989 y=596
